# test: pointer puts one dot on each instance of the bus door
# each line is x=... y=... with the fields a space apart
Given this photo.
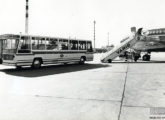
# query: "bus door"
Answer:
x=63 y=47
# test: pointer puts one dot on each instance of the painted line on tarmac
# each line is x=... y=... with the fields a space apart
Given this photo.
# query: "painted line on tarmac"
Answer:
x=77 y=98
x=121 y=105
x=132 y=106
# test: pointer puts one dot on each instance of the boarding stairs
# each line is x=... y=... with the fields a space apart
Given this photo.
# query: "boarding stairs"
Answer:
x=116 y=51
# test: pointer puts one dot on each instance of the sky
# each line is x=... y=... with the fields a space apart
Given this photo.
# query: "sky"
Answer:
x=74 y=18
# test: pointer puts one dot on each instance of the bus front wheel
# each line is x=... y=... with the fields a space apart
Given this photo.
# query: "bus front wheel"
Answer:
x=36 y=63
x=82 y=60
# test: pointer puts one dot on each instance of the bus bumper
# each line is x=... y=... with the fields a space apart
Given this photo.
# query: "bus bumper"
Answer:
x=9 y=63
x=16 y=64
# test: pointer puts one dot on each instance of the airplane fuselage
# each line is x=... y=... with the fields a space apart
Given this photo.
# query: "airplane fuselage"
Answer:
x=152 y=41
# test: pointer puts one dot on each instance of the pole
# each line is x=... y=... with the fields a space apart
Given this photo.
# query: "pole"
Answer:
x=108 y=38
x=94 y=33
x=27 y=17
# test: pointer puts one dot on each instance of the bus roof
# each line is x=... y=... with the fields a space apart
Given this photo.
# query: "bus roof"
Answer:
x=17 y=36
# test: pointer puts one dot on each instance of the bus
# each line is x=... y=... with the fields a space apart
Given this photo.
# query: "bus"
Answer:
x=29 y=50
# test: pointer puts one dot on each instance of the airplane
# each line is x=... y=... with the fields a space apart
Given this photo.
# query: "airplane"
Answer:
x=150 y=41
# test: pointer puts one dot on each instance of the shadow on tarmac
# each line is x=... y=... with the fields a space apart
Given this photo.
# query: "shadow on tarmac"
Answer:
x=51 y=70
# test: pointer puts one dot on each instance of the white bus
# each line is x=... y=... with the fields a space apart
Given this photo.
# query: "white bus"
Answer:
x=29 y=50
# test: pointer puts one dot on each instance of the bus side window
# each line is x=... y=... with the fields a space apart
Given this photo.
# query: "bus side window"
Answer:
x=63 y=44
x=23 y=44
x=82 y=45
x=38 y=43
x=51 y=44
x=89 y=47
x=34 y=43
x=74 y=44
x=41 y=45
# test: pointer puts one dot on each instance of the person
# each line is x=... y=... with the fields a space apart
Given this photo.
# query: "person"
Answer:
x=126 y=55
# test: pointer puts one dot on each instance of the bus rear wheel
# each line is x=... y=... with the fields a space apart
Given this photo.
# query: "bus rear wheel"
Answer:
x=82 y=61
x=36 y=63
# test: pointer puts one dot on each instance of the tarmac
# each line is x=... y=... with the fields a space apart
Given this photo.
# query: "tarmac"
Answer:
x=94 y=91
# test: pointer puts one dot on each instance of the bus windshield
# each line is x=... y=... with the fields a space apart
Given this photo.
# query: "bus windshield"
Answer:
x=14 y=45
x=10 y=45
